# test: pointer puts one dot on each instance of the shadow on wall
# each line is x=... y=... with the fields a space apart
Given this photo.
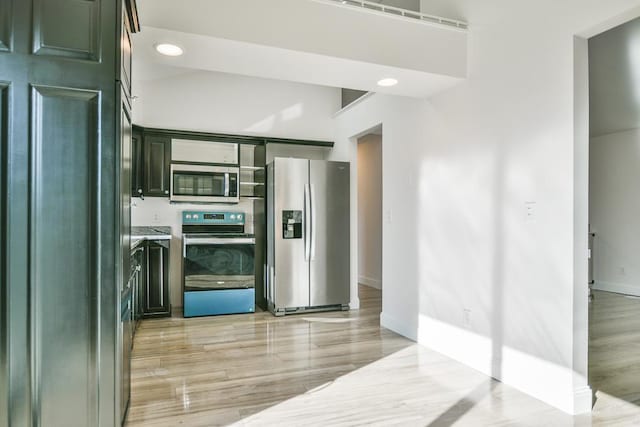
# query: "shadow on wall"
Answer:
x=431 y=253
x=477 y=250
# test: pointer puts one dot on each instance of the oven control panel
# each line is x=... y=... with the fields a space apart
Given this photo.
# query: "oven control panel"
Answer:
x=208 y=217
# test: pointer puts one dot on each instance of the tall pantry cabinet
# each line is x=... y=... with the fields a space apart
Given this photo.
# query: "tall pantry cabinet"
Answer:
x=64 y=116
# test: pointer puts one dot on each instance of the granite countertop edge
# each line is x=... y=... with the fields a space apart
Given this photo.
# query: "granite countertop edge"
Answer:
x=145 y=233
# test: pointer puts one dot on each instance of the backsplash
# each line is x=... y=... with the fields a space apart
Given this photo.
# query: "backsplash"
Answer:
x=159 y=211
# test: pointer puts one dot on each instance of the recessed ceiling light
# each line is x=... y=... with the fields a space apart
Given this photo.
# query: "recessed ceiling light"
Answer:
x=387 y=82
x=169 y=49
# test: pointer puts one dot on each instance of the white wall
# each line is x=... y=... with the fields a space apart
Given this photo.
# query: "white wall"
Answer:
x=614 y=79
x=208 y=101
x=370 y=210
x=452 y=10
x=614 y=201
x=404 y=4
x=614 y=210
x=482 y=207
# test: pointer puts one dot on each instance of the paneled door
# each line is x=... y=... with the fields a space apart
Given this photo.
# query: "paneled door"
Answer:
x=59 y=223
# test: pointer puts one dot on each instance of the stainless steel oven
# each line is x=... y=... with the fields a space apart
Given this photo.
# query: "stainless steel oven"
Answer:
x=218 y=264
x=204 y=183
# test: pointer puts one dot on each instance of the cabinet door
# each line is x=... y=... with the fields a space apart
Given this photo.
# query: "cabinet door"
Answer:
x=59 y=213
x=136 y=164
x=125 y=52
x=126 y=342
x=142 y=283
x=157 y=284
x=157 y=161
x=125 y=189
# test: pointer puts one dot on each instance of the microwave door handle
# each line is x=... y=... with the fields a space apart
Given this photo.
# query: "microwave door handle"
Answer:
x=307 y=222
x=226 y=184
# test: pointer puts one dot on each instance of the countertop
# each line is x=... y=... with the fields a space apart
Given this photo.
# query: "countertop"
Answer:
x=141 y=234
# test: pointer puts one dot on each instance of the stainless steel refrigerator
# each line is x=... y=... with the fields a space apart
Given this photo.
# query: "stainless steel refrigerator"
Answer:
x=308 y=242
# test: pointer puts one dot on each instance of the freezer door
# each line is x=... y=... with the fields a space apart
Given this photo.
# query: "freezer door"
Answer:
x=330 y=251
x=291 y=269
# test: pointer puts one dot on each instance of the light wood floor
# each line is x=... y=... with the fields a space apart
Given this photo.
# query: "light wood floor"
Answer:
x=342 y=369
x=614 y=346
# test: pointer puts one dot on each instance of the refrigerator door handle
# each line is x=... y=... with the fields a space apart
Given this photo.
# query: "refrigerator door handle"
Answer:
x=307 y=222
x=313 y=222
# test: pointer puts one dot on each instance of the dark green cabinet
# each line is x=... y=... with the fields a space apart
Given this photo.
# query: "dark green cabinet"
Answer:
x=137 y=166
x=60 y=211
x=151 y=280
x=150 y=164
x=151 y=159
x=139 y=270
x=126 y=49
x=156 y=287
x=157 y=164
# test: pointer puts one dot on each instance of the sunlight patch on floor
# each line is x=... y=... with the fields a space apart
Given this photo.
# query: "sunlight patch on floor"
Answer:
x=412 y=387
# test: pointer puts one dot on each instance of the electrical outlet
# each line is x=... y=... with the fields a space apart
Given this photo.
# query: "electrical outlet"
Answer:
x=156 y=218
x=622 y=271
x=466 y=316
x=530 y=211
x=387 y=216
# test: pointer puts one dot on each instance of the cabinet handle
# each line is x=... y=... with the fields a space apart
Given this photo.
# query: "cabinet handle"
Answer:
x=166 y=191
x=140 y=193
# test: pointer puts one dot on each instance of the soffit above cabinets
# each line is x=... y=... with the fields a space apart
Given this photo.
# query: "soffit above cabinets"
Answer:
x=289 y=40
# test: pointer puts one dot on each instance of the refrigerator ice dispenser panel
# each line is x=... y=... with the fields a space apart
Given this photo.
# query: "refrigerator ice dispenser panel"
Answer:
x=292 y=224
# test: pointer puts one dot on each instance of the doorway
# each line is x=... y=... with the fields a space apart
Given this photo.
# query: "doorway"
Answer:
x=369 y=166
x=614 y=209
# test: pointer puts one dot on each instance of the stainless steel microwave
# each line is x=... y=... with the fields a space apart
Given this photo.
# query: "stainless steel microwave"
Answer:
x=204 y=184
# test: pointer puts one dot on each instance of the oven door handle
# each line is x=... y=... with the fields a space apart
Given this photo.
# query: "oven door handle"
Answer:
x=218 y=241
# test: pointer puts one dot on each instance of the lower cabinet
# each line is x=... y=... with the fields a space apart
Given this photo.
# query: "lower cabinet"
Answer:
x=138 y=266
x=126 y=334
x=151 y=286
x=156 y=293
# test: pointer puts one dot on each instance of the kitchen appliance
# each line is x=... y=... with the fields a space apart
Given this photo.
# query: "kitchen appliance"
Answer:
x=204 y=183
x=204 y=171
x=218 y=264
x=308 y=241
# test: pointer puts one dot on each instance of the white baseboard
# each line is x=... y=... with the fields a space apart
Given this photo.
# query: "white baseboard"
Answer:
x=619 y=288
x=546 y=381
x=397 y=326
x=368 y=281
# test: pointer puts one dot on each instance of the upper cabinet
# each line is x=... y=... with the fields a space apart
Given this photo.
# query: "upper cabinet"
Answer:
x=154 y=150
x=209 y=152
x=129 y=25
x=137 y=167
x=157 y=164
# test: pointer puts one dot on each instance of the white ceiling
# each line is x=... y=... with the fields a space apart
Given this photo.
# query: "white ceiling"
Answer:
x=189 y=24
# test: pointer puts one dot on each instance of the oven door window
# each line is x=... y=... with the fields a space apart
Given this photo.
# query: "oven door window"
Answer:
x=199 y=184
x=219 y=266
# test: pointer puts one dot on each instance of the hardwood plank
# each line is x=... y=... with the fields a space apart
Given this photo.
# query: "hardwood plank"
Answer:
x=343 y=369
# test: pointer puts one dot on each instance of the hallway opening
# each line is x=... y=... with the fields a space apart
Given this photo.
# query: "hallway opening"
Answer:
x=370 y=209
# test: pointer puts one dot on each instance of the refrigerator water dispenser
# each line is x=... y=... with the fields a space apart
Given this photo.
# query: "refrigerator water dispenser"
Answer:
x=292 y=224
